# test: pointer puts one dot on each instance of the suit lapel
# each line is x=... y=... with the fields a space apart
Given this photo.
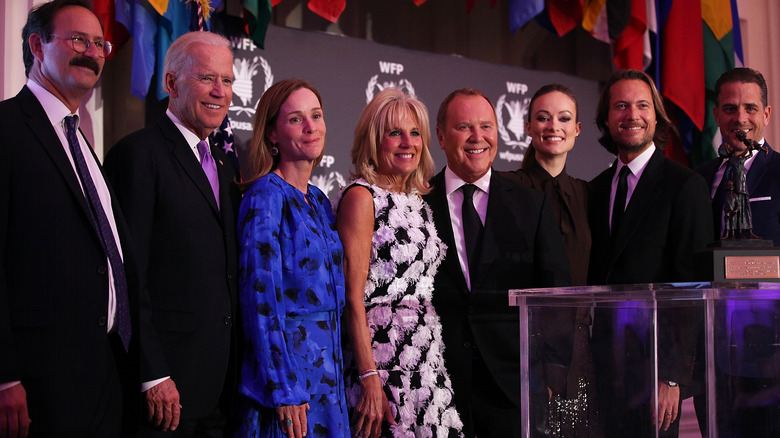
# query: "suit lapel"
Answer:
x=644 y=195
x=488 y=250
x=600 y=205
x=759 y=168
x=186 y=158
x=38 y=124
x=437 y=200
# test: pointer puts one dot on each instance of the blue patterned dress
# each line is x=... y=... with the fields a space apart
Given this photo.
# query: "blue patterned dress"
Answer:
x=292 y=297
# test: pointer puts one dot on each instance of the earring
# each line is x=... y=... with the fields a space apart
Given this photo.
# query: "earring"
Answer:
x=274 y=149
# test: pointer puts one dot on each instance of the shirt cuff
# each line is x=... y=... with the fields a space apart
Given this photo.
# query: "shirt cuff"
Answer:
x=145 y=386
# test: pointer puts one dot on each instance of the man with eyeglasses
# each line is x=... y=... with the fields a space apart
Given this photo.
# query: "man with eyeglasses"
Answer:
x=64 y=304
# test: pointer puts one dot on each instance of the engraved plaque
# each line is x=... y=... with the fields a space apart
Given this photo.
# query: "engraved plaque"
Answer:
x=750 y=267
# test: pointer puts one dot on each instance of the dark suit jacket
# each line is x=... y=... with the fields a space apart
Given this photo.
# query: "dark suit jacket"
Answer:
x=187 y=257
x=53 y=276
x=521 y=248
x=667 y=220
x=763 y=186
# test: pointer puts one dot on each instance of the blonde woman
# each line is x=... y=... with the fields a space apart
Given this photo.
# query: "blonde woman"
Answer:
x=397 y=384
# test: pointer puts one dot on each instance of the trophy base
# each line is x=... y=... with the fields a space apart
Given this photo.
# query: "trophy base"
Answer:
x=735 y=260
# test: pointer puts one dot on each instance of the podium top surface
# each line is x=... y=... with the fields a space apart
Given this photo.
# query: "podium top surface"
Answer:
x=645 y=294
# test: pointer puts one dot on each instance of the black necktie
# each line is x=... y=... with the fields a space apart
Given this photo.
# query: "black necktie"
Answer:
x=472 y=225
x=620 y=199
x=102 y=226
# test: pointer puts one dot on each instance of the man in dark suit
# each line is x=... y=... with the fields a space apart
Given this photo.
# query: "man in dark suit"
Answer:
x=515 y=245
x=741 y=105
x=180 y=199
x=64 y=312
x=646 y=222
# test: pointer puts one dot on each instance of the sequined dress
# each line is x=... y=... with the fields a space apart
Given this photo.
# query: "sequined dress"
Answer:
x=404 y=327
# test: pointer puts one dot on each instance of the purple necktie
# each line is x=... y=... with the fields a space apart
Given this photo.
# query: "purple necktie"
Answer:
x=210 y=167
x=101 y=224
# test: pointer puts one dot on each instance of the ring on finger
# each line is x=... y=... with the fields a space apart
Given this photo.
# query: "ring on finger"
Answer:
x=288 y=421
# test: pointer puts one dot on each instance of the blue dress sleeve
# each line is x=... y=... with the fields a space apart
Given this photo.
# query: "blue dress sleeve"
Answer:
x=269 y=375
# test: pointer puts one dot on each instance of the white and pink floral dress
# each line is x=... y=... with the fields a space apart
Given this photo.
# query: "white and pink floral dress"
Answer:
x=405 y=330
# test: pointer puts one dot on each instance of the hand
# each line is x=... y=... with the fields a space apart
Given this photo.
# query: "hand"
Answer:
x=14 y=420
x=668 y=404
x=296 y=416
x=162 y=403
x=371 y=410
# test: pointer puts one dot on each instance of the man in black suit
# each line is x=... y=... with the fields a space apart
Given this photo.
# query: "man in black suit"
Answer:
x=645 y=226
x=180 y=199
x=741 y=105
x=515 y=245
x=63 y=297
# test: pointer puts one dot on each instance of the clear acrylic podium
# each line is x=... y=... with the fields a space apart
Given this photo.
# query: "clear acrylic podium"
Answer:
x=724 y=335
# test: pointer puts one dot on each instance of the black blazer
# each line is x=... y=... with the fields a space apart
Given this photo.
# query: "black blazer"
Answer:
x=53 y=275
x=763 y=184
x=187 y=256
x=667 y=220
x=521 y=248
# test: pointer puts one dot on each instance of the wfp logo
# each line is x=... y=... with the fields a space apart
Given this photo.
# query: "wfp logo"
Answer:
x=512 y=131
x=245 y=70
x=391 y=68
x=329 y=183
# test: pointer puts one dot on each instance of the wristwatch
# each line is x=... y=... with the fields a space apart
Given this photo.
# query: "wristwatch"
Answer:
x=671 y=384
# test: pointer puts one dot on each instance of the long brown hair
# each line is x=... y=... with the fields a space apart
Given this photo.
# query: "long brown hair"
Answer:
x=260 y=160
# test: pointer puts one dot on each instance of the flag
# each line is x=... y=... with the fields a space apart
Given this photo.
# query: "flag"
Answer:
x=521 y=11
x=618 y=16
x=650 y=44
x=594 y=19
x=565 y=15
x=719 y=57
x=629 y=46
x=140 y=19
x=113 y=31
x=258 y=15
x=160 y=5
x=328 y=9
x=682 y=64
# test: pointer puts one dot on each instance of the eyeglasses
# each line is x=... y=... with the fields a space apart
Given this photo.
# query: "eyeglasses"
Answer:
x=81 y=44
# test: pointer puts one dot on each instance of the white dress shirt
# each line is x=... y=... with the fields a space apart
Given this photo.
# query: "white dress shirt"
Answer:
x=452 y=184
x=637 y=167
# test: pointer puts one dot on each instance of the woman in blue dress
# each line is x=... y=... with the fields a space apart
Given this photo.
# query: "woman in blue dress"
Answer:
x=291 y=278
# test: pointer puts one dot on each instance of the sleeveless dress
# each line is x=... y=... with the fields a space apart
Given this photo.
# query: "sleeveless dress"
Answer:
x=292 y=297
x=405 y=330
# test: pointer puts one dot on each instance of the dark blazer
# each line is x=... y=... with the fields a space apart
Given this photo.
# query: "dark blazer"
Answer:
x=667 y=219
x=521 y=248
x=763 y=185
x=187 y=257
x=53 y=278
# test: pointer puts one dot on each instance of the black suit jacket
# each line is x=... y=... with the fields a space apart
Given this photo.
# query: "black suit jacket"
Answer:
x=521 y=248
x=667 y=220
x=53 y=276
x=187 y=257
x=763 y=185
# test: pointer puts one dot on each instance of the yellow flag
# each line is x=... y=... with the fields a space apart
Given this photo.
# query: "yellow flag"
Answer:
x=717 y=15
x=159 y=5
